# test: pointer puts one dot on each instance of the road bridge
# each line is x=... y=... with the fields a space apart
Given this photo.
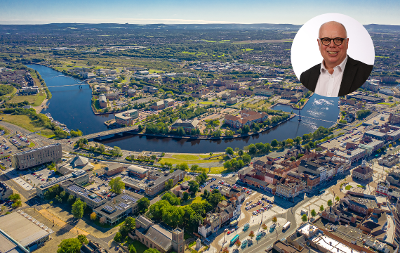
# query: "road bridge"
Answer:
x=108 y=133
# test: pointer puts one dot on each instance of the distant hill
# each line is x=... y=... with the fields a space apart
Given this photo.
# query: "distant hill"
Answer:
x=113 y=26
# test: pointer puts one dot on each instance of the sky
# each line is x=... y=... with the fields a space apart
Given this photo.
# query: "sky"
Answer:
x=194 y=12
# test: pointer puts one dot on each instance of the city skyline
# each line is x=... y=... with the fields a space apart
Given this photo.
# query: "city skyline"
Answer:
x=180 y=12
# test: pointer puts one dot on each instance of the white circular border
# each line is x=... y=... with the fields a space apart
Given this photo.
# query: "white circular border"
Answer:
x=305 y=51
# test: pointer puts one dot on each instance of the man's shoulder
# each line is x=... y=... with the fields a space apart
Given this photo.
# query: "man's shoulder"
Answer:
x=312 y=70
x=359 y=63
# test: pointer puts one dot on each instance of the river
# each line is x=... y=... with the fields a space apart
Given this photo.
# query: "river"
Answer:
x=71 y=106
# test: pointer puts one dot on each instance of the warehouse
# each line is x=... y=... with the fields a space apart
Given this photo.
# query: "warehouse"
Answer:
x=24 y=230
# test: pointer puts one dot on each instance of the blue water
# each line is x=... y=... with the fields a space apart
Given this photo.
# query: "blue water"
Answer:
x=71 y=106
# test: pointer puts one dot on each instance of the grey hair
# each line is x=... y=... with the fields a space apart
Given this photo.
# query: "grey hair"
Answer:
x=332 y=22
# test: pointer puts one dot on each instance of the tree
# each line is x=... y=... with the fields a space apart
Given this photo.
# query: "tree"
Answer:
x=16 y=204
x=337 y=198
x=83 y=239
x=116 y=151
x=78 y=209
x=313 y=213
x=194 y=168
x=252 y=149
x=103 y=220
x=330 y=203
x=240 y=152
x=264 y=226
x=143 y=204
x=93 y=216
x=14 y=197
x=238 y=243
x=169 y=184
x=321 y=208
x=193 y=186
x=118 y=237
x=151 y=250
x=128 y=225
x=251 y=234
x=246 y=158
x=116 y=185
x=71 y=199
x=71 y=245
x=274 y=219
x=229 y=151
x=304 y=218
x=171 y=198
x=132 y=249
x=274 y=143
x=185 y=196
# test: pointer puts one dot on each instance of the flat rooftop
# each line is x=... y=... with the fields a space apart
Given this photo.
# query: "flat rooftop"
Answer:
x=23 y=230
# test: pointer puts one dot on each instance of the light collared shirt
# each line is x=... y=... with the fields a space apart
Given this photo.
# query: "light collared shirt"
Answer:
x=328 y=85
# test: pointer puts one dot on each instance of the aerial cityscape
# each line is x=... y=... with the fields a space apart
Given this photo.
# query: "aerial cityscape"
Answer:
x=171 y=136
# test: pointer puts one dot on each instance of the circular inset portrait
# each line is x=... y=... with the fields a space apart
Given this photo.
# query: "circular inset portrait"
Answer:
x=332 y=55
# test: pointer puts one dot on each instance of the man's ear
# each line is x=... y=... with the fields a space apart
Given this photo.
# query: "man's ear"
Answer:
x=318 y=41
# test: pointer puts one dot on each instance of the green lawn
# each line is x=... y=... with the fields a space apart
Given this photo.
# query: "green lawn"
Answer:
x=206 y=103
x=218 y=170
x=35 y=100
x=348 y=187
x=179 y=159
x=25 y=122
x=140 y=247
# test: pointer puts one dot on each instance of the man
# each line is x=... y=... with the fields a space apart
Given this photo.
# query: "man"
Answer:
x=338 y=74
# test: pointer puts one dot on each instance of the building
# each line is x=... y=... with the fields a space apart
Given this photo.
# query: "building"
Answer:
x=112 y=96
x=134 y=184
x=389 y=160
x=92 y=247
x=363 y=172
x=137 y=171
x=92 y=199
x=117 y=208
x=187 y=125
x=158 y=185
x=103 y=101
x=29 y=90
x=38 y=156
x=24 y=230
x=159 y=105
x=126 y=118
x=247 y=117
x=157 y=236
x=114 y=168
x=5 y=191
x=78 y=177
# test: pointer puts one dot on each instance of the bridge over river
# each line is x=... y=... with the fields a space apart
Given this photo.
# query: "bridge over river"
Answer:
x=108 y=133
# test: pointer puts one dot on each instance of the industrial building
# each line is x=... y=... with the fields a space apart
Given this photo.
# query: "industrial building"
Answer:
x=23 y=230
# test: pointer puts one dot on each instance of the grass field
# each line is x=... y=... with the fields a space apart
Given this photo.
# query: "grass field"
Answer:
x=35 y=100
x=207 y=103
x=178 y=159
x=25 y=122
x=218 y=170
x=140 y=247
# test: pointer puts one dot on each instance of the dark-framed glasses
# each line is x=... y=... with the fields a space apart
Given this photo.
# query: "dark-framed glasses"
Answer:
x=327 y=41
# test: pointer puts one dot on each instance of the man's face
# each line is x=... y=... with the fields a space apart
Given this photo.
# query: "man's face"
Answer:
x=333 y=55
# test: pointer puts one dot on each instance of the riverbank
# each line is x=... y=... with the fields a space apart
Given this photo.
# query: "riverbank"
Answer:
x=209 y=137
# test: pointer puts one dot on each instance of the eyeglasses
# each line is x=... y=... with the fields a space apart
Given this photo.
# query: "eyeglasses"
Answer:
x=327 y=41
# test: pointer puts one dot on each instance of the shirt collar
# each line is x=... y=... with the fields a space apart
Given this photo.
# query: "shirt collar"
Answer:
x=340 y=66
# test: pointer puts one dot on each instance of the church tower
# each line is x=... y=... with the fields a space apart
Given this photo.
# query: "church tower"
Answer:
x=178 y=241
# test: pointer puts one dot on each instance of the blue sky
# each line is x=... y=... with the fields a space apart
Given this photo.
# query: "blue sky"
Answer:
x=188 y=11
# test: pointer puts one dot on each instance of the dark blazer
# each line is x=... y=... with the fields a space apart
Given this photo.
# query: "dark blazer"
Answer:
x=355 y=74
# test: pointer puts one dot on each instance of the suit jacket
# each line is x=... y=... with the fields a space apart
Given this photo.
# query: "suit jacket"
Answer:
x=355 y=74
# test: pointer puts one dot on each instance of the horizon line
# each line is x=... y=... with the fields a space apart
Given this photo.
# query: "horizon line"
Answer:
x=143 y=24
